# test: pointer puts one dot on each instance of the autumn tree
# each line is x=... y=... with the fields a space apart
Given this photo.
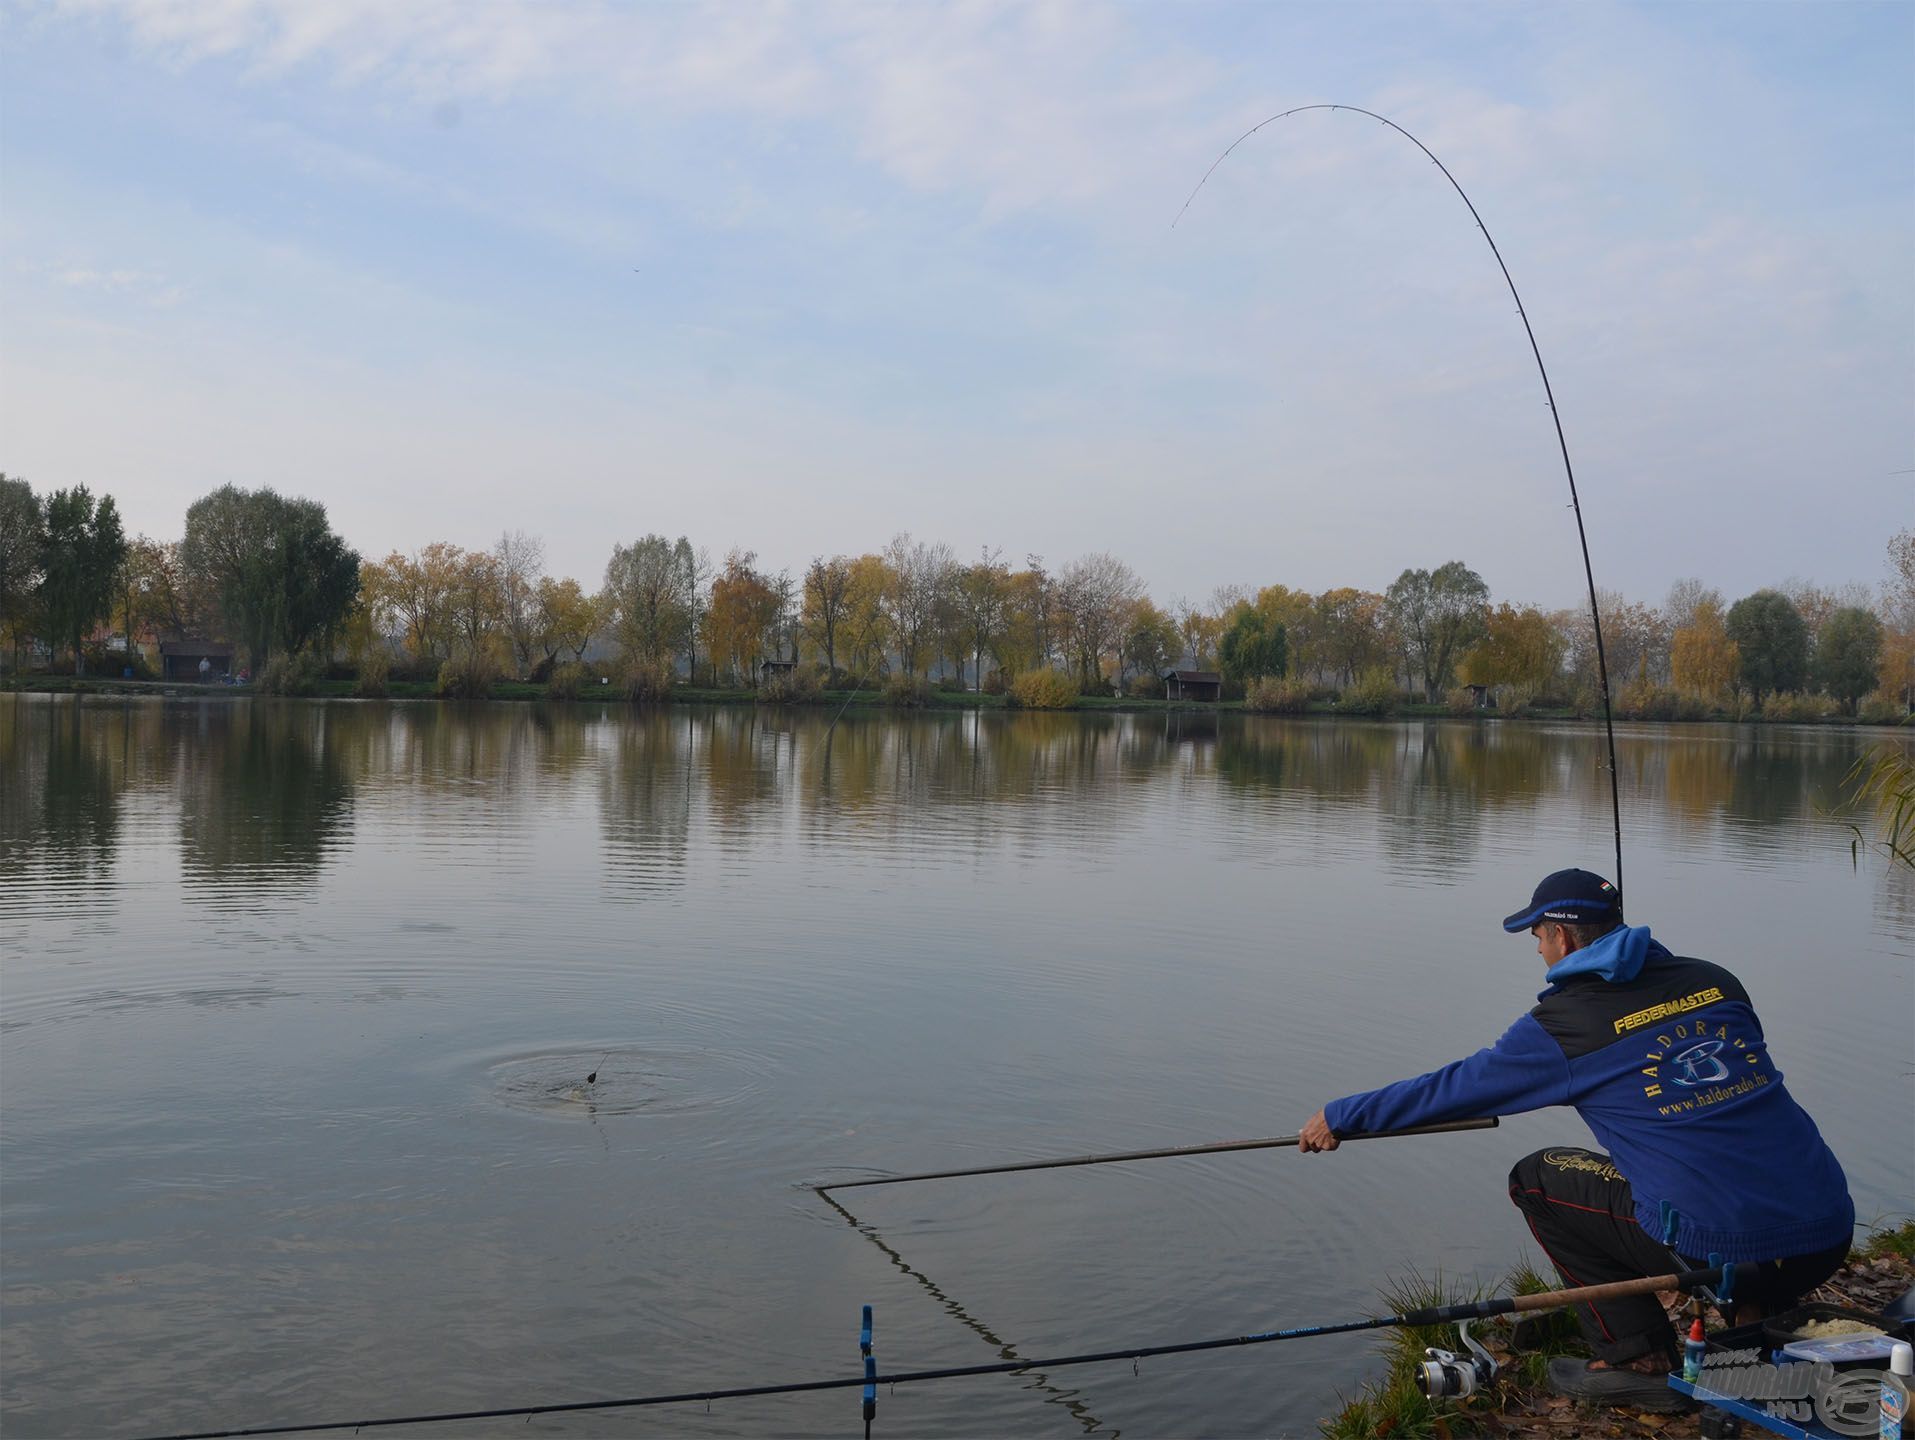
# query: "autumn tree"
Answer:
x=173 y=603
x=742 y=613
x=520 y=559
x=1152 y=640
x=1352 y=633
x=980 y=596
x=1094 y=597
x=827 y=590
x=863 y=626
x=1702 y=658
x=1520 y=647
x=1026 y=641
x=477 y=607
x=1898 y=611
x=1772 y=643
x=565 y=618
x=1294 y=610
x=1847 y=654
x=81 y=549
x=1817 y=604
x=1440 y=614
x=417 y=591
x=919 y=579
x=648 y=592
x=784 y=629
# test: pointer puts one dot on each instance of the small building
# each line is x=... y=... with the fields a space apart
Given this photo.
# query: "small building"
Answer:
x=1193 y=685
x=773 y=669
x=1481 y=698
x=181 y=659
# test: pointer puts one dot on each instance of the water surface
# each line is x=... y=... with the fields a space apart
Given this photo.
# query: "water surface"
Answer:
x=300 y=1000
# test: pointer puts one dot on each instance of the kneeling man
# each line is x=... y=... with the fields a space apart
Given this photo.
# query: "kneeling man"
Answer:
x=1664 y=1059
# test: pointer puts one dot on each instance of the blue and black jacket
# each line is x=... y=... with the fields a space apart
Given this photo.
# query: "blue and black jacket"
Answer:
x=1663 y=1057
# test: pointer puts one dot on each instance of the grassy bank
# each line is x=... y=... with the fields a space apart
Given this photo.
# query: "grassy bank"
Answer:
x=1519 y=1403
x=834 y=700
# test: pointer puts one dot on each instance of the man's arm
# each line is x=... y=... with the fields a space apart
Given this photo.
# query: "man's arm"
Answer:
x=1524 y=1070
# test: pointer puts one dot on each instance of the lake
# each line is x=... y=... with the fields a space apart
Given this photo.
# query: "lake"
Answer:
x=300 y=1000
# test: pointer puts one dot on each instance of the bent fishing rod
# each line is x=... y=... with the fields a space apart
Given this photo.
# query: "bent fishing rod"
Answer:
x=1172 y=1152
x=1549 y=395
x=1684 y=1280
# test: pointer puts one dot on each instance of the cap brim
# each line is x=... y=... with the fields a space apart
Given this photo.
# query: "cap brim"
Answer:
x=1523 y=919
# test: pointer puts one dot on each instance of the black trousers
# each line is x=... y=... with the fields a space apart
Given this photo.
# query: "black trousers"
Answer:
x=1580 y=1209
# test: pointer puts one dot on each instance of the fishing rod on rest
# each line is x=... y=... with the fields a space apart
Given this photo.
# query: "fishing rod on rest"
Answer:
x=1432 y=1315
x=1172 y=1152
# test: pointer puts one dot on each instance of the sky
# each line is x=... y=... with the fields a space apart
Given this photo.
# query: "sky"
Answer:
x=794 y=278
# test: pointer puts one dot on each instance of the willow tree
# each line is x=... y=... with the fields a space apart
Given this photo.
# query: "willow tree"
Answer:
x=1441 y=614
x=283 y=579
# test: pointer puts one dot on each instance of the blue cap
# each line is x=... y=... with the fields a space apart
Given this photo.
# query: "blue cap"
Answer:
x=1569 y=897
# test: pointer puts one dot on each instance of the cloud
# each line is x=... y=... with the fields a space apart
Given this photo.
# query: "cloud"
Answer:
x=142 y=287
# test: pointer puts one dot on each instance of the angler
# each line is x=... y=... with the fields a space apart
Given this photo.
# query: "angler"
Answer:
x=1665 y=1060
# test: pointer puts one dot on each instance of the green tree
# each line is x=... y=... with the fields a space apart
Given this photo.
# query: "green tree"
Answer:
x=1253 y=646
x=1771 y=641
x=1440 y=613
x=282 y=579
x=649 y=586
x=22 y=539
x=82 y=549
x=1847 y=654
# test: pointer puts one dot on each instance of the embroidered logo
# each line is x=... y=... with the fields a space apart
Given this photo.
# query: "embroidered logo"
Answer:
x=1667 y=1008
x=1698 y=1064
x=1696 y=1057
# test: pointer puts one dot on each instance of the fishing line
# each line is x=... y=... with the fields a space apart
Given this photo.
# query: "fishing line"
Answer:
x=1435 y=1315
x=1602 y=663
x=1067 y=1398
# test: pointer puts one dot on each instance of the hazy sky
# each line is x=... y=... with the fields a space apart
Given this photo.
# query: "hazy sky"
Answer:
x=795 y=277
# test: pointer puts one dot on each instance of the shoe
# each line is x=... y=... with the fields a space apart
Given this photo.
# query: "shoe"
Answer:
x=1574 y=1378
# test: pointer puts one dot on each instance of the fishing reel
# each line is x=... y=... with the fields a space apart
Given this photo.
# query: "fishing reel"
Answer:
x=1449 y=1376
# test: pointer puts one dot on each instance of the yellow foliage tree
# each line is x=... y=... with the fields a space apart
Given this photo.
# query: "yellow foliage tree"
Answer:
x=1702 y=657
x=1519 y=647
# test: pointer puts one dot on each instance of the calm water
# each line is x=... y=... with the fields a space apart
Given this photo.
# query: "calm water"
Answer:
x=299 y=1000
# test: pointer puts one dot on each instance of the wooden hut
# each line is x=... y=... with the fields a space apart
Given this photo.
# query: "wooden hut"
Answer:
x=1193 y=685
x=180 y=660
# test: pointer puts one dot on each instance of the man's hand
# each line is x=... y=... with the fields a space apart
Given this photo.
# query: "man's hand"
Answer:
x=1316 y=1135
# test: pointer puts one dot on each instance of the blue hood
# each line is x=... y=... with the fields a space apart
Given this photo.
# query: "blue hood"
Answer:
x=1618 y=957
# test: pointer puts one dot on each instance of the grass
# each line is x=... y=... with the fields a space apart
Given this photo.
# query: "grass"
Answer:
x=1899 y=1241
x=1392 y=1405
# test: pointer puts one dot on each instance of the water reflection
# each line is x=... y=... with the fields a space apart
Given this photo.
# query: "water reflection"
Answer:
x=645 y=802
x=60 y=804
x=263 y=792
x=263 y=797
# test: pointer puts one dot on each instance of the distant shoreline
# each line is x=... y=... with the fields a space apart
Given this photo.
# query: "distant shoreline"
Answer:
x=415 y=691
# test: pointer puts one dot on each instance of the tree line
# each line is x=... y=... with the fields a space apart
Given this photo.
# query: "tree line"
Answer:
x=268 y=574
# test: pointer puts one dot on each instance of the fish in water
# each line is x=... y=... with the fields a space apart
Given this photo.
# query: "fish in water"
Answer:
x=592 y=1079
